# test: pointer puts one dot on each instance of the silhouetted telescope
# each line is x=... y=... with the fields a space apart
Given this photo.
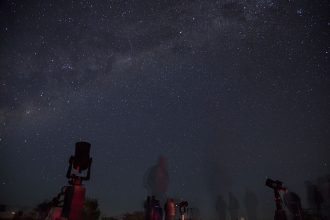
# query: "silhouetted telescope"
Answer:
x=69 y=203
x=182 y=208
x=183 y=204
x=81 y=158
x=275 y=184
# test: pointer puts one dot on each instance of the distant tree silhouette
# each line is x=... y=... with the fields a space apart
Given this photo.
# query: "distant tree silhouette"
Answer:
x=42 y=210
x=22 y=216
x=91 y=209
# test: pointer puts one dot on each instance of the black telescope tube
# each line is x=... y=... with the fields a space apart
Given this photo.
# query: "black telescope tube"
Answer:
x=81 y=157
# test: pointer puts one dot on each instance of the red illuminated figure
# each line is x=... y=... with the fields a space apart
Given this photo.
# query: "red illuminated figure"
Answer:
x=157 y=179
x=169 y=209
x=74 y=194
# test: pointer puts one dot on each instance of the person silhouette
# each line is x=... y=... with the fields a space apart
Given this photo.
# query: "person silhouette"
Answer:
x=169 y=209
x=251 y=204
x=221 y=207
x=314 y=197
x=293 y=203
x=157 y=179
x=233 y=206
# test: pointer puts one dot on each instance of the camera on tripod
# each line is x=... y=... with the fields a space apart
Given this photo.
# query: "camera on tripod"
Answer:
x=183 y=204
x=69 y=203
x=275 y=184
x=277 y=187
x=182 y=208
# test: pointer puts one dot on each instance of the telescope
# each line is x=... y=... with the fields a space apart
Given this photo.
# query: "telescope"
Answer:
x=81 y=158
x=81 y=161
x=182 y=208
x=72 y=197
x=183 y=204
x=277 y=186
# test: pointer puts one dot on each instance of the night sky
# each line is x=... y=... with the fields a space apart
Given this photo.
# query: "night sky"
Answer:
x=230 y=92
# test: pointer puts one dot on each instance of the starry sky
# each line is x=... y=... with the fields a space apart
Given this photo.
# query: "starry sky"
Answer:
x=229 y=91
